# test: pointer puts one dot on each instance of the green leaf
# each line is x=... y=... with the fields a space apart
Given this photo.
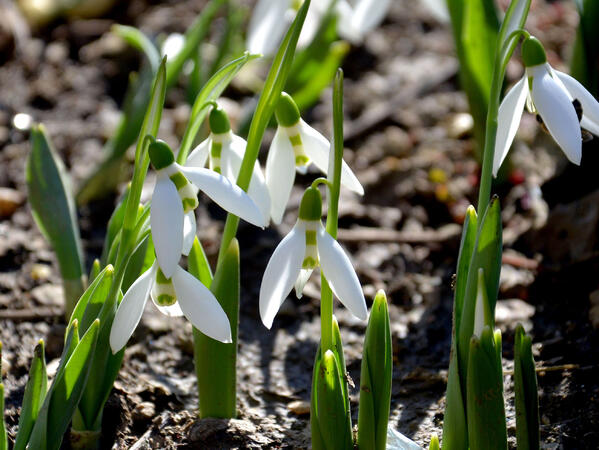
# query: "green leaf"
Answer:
x=136 y=264
x=468 y=241
x=334 y=423
x=193 y=38
x=434 y=445
x=139 y=41
x=114 y=226
x=215 y=361
x=53 y=208
x=35 y=393
x=3 y=436
x=322 y=77
x=95 y=270
x=486 y=413
x=95 y=293
x=585 y=57
x=475 y=29
x=375 y=378
x=273 y=86
x=213 y=88
x=64 y=394
x=486 y=255
x=526 y=393
x=198 y=264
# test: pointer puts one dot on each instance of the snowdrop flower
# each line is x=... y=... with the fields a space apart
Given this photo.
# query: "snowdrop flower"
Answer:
x=294 y=147
x=271 y=19
x=183 y=294
x=307 y=246
x=224 y=151
x=357 y=18
x=555 y=97
x=172 y=217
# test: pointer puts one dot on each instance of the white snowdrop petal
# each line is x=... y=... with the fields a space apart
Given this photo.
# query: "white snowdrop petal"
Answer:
x=312 y=22
x=199 y=155
x=301 y=281
x=590 y=106
x=510 y=113
x=170 y=311
x=438 y=8
x=281 y=273
x=189 y=231
x=258 y=191
x=267 y=26
x=225 y=193
x=559 y=116
x=318 y=149
x=201 y=307
x=130 y=310
x=587 y=124
x=166 y=220
x=280 y=174
x=340 y=274
x=368 y=14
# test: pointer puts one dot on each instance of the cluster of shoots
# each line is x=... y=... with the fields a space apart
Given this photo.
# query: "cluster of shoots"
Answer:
x=145 y=242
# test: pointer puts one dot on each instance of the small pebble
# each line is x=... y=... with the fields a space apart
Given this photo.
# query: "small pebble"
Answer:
x=40 y=272
x=459 y=125
x=299 y=407
x=144 y=411
x=10 y=200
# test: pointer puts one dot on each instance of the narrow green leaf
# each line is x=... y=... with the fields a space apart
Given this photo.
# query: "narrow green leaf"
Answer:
x=486 y=255
x=64 y=394
x=215 y=361
x=486 y=413
x=317 y=439
x=98 y=288
x=375 y=378
x=3 y=436
x=475 y=29
x=114 y=226
x=321 y=78
x=35 y=393
x=584 y=66
x=273 y=86
x=514 y=19
x=139 y=41
x=193 y=38
x=467 y=244
x=434 y=445
x=53 y=208
x=335 y=428
x=211 y=91
x=526 y=393
x=198 y=264
x=95 y=270
x=136 y=264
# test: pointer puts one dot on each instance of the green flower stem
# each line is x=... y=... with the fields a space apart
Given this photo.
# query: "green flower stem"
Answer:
x=334 y=187
x=273 y=86
x=502 y=56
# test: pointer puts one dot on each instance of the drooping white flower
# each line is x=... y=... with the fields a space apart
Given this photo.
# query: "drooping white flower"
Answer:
x=183 y=294
x=271 y=19
x=174 y=200
x=294 y=147
x=306 y=247
x=224 y=151
x=552 y=95
x=357 y=18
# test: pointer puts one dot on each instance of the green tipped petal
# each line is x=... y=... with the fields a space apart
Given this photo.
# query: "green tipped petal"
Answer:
x=287 y=112
x=161 y=155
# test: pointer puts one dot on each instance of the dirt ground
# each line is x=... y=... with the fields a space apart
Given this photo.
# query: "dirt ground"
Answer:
x=409 y=140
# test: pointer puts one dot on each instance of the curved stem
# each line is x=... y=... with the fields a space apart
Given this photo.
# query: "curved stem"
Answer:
x=334 y=185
